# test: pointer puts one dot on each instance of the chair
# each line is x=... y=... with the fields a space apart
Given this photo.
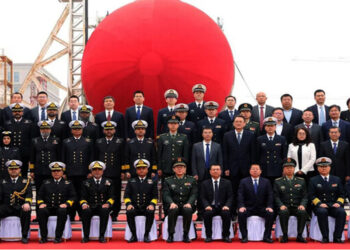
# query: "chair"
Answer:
x=292 y=228
x=140 y=222
x=217 y=229
x=315 y=232
x=11 y=229
x=178 y=235
x=51 y=228
x=255 y=228
x=95 y=228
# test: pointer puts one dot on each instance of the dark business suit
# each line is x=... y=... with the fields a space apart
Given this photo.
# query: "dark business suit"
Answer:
x=146 y=115
x=340 y=160
x=218 y=127
x=35 y=114
x=67 y=117
x=345 y=115
x=7 y=114
x=255 y=204
x=224 y=198
x=256 y=112
x=295 y=118
x=314 y=110
x=315 y=133
x=224 y=115
x=117 y=117
x=162 y=120
x=344 y=130
x=196 y=114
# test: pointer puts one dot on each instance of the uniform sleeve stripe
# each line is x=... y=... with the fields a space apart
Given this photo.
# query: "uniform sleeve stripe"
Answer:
x=70 y=202
x=127 y=200
x=83 y=201
x=28 y=200
x=341 y=200
x=316 y=201
x=154 y=201
x=111 y=201
x=40 y=201
x=154 y=167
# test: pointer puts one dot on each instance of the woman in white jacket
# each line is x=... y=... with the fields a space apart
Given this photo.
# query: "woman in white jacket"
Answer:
x=303 y=151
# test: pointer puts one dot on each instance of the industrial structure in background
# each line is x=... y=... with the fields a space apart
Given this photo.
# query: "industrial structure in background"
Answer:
x=76 y=12
x=6 y=80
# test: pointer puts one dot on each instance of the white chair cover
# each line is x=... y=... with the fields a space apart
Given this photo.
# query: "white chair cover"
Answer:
x=255 y=228
x=11 y=229
x=140 y=222
x=95 y=228
x=217 y=229
x=315 y=232
x=51 y=228
x=292 y=228
x=178 y=235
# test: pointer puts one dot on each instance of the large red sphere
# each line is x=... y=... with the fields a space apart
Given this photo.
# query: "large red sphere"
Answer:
x=154 y=45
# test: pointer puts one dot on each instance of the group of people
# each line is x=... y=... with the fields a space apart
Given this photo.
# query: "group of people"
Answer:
x=257 y=160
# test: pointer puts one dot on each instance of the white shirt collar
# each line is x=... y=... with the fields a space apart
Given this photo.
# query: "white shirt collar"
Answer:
x=58 y=180
x=216 y=180
x=205 y=143
x=138 y=106
x=14 y=179
x=77 y=138
x=100 y=180
x=111 y=112
x=336 y=142
x=255 y=179
x=201 y=103
x=264 y=106
x=239 y=132
x=337 y=121
x=171 y=108
x=310 y=125
x=327 y=176
x=211 y=119
x=268 y=136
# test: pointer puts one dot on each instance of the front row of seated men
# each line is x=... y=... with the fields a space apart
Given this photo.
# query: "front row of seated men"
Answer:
x=289 y=197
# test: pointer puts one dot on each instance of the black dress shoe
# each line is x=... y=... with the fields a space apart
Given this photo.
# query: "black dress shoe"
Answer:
x=208 y=239
x=244 y=240
x=227 y=239
x=284 y=239
x=24 y=240
x=325 y=240
x=102 y=239
x=337 y=240
x=57 y=240
x=146 y=239
x=114 y=219
x=268 y=240
x=85 y=240
x=170 y=239
x=132 y=239
x=301 y=239
x=186 y=239
x=43 y=240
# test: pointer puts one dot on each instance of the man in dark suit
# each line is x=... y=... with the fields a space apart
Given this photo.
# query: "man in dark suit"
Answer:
x=314 y=129
x=345 y=115
x=7 y=111
x=338 y=151
x=230 y=112
x=239 y=154
x=282 y=128
x=216 y=124
x=320 y=110
x=39 y=113
x=271 y=150
x=291 y=115
x=170 y=96
x=216 y=197
x=196 y=108
x=255 y=197
x=335 y=121
x=327 y=194
x=139 y=112
x=186 y=127
x=73 y=113
x=262 y=110
x=109 y=114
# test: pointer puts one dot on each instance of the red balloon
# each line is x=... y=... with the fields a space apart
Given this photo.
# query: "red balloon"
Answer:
x=154 y=45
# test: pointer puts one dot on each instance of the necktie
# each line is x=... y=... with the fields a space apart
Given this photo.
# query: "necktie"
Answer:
x=207 y=156
x=216 y=194
x=56 y=181
x=335 y=148
x=181 y=123
x=108 y=141
x=171 y=110
x=141 y=180
x=261 y=117
x=255 y=186
x=211 y=121
x=199 y=105
x=335 y=124
x=138 y=113
x=42 y=114
x=325 y=179
x=74 y=115
x=322 y=119
x=308 y=126
x=231 y=114
x=97 y=182
x=14 y=181
x=109 y=116
x=239 y=138
x=270 y=138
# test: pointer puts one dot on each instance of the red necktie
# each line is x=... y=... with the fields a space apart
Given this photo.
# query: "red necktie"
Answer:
x=261 y=117
x=109 y=116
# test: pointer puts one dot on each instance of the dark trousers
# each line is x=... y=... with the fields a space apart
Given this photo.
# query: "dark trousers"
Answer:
x=7 y=210
x=292 y=211
x=43 y=215
x=86 y=215
x=242 y=220
x=322 y=218
x=130 y=216
x=77 y=182
x=172 y=218
x=117 y=184
x=208 y=219
x=235 y=180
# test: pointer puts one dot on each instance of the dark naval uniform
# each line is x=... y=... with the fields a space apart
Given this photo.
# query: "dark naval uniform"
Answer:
x=53 y=195
x=112 y=154
x=91 y=131
x=12 y=197
x=218 y=126
x=162 y=120
x=7 y=153
x=95 y=194
x=136 y=149
x=291 y=193
x=42 y=154
x=195 y=113
x=328 y=192
x=180 y=191
x=140 y=195
x=59 y=129
x=170 y=148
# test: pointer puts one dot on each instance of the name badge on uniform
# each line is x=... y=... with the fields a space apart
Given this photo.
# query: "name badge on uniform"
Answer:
x=164 y=115
x=173 y=186
x=278 y=144
x=166 y=142
x=150 y=182
x=187 y=184
x=24 y=181
x=218 y=126
x=179 y=141
x=297 y=185
x=187 y=128
x=335 y=185
x=319 y=185
x=192 y=110
x=263 y=144
x=108 y=183
x=54 y=142
x=252 y=128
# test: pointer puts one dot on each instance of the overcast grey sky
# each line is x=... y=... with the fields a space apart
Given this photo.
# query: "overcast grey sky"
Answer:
x=281 y=46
